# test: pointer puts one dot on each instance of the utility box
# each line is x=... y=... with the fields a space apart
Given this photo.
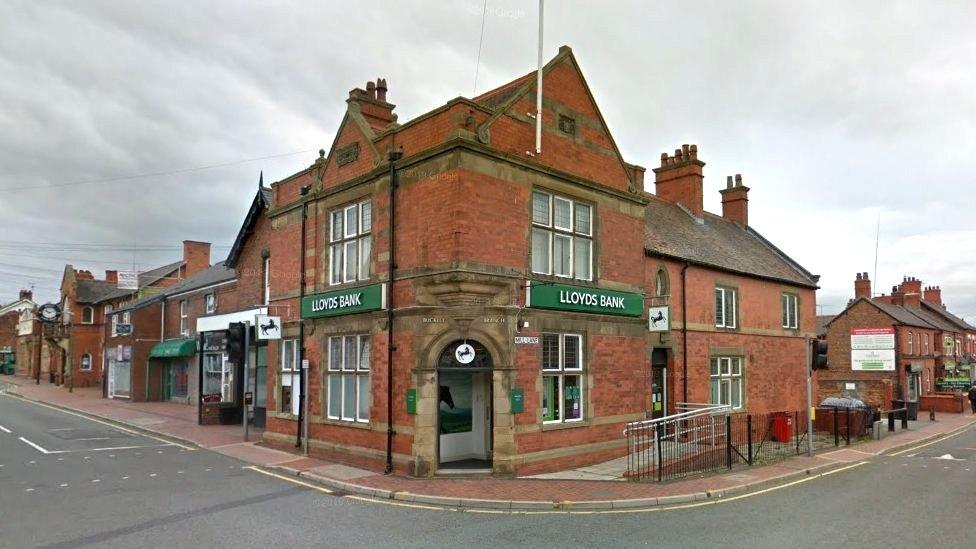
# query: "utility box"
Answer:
x=878 y=430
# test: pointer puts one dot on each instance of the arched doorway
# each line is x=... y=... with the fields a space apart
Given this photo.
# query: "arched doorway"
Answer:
x=464 y=411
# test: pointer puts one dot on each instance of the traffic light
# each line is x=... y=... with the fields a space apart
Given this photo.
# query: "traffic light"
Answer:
x=235 y=341
x=818 y=355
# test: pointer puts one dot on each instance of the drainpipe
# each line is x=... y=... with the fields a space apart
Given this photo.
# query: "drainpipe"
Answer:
x=684 y=332
x=301 y=324
x=393 y=157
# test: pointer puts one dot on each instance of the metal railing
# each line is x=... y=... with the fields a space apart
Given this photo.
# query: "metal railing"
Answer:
x=703 y=438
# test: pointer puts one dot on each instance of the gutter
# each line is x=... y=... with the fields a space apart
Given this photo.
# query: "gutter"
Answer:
x=684 y=332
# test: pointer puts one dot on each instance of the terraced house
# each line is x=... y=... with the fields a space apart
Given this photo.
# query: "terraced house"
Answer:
x=467 y=302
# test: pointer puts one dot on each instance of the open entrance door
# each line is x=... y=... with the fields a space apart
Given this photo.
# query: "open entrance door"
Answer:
x=464 y=409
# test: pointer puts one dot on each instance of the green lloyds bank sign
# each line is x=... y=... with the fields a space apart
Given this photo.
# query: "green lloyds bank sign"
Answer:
x=562 y=297
x=345 y=302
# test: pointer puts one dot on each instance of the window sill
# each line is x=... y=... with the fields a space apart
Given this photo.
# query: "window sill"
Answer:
x=340 y=423
x=565 y=425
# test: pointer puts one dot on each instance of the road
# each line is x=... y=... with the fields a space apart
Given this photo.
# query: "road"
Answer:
x=68 y=481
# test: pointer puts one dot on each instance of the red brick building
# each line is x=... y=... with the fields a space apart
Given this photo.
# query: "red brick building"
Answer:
x=893 y=347
x=470 y=303
x=86 y=332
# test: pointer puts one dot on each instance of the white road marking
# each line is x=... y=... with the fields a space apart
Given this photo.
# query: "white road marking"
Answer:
x=112 y=425
x=31 y=462
x=94 y=438
x=63 y=429
x=60 y=459
x=65 y=485
x=949 y=457
x=152 y=474
x=125 y=478
x=4 y=429
x=96 y=480
x=207 y=469
x=29 y=490
x=181 y=472
x=35 y=446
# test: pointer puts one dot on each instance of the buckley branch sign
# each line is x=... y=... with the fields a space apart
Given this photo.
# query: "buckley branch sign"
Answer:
x=345 y=302
x=562 y=297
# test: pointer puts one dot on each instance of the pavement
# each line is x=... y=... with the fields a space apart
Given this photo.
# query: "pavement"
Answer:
x=178 y=422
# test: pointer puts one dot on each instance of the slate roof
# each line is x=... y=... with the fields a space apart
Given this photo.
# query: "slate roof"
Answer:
x=951 y=318
x=822 y=322
x=500 y=95
x=214 y=275
x=97 y=291
x=262 y=200
x=712 y=241
x=903 y=315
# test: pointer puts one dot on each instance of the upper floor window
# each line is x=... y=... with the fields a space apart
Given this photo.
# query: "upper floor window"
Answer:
x=115 y=325
x=211 y=302
x=662 y=284
x=562 y=236
x=184 y=319
x=956 y=347
x=911 y=343
x=350 y=248
x=88 y=315
x=789 y=311
x=725 y=311
x=925 y=341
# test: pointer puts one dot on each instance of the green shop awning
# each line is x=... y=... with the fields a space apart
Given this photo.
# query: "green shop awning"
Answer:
x=174 y=348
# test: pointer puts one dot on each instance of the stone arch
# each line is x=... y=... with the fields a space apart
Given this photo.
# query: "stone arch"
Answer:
x=430 y=355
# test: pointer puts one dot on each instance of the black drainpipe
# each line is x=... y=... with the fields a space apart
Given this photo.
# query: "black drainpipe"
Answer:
x=393 y=157
x=684 y=333
x=301 y=323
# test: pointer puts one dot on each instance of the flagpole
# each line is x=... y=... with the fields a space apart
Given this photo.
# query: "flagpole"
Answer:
x=538 y=86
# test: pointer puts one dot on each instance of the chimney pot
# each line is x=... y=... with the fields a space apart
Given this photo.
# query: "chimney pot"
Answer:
x=381 y=89
x=738 y=180
x=694 y=152
x=728 y=182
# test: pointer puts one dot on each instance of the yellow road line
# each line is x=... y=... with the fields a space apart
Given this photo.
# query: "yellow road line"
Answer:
x=112 y=425
x=289 y=479
x=690 y=505
x=947 y=437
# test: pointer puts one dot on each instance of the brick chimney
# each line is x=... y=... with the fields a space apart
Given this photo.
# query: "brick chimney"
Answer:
x=372 y=103
x=933 y=295
x=911 y=289
x=862 y=286
x=735 y=201
x=26 y=294
x=679 y=179
x=112 y=276
x=196 y=257
x=84 y=275
x=897 y=296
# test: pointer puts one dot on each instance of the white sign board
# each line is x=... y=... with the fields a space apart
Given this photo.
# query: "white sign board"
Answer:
x=526 y=340
x=267 y=327
x=128 y=280
x=659 y=319
x=873 y=349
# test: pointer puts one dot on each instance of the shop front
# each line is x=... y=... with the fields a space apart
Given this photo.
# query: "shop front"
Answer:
x=221 y=366
x=119 y=360
x=170 y=361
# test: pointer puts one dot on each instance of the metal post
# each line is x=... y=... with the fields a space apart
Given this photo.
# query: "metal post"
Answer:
x=247 y=350
x=904 y=418
x=836 y=434
x=728 y=440
x=847 y=419
x=660 y=457
x=749 y=436
x=304 y=375
x=809 y=399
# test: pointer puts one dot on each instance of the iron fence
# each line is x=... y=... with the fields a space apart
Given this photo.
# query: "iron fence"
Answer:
x=701 y=439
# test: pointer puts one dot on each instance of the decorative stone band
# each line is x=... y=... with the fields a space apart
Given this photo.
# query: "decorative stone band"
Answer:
x=345 y=302
x=563 y=297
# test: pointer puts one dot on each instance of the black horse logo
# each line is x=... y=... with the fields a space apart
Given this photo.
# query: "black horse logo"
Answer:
x=270 y=326
x=466 y=351
x=659 y=317
x=445 y=396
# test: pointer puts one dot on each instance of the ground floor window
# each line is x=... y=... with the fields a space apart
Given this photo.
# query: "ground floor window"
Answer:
x=119 y=378
x=726 y=381
x=218 y=376
x=289 y=373
x=348 y=394
x=86 y=362
x=562 y=377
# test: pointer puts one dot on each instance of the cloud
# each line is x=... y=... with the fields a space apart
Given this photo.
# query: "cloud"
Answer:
x=833 y=112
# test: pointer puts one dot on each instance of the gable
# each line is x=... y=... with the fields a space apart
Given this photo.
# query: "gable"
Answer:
x=353 y=152
x=575 y=136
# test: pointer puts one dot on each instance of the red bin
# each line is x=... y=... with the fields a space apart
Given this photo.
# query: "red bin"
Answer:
x=782 y=427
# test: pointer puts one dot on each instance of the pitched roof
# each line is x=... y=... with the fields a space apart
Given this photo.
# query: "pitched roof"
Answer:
x=712 y=241
x=903 y=315
x=214 y=275
x=959 y=323
x=262 y=199
x=822 y=322
x=97 y=291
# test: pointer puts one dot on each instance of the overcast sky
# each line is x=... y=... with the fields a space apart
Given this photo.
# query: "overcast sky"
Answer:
x=837 y=114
